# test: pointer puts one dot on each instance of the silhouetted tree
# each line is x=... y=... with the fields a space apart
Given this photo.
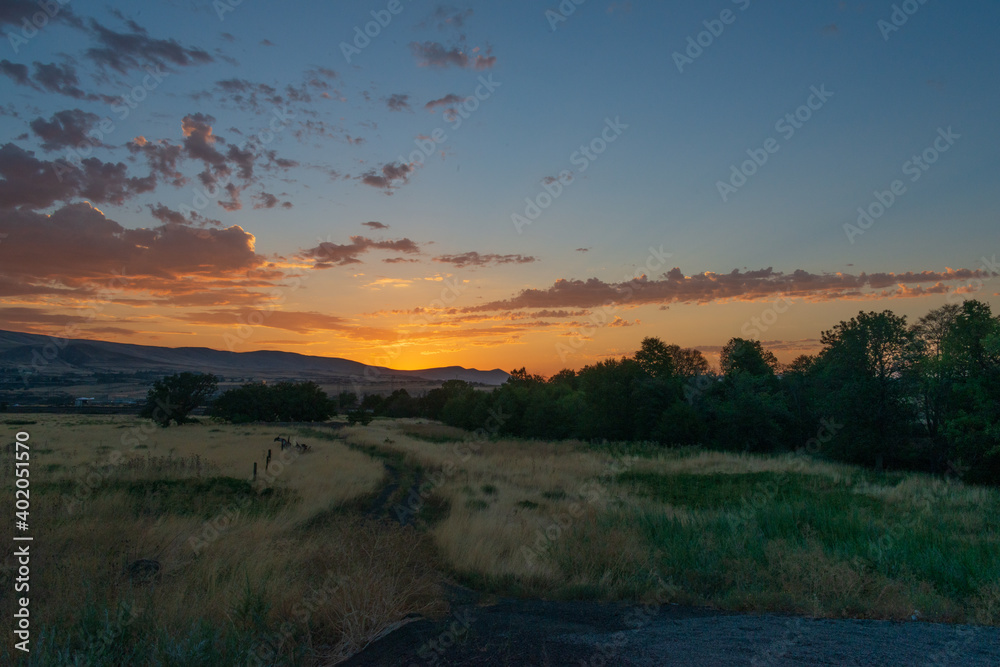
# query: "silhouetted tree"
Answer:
x=173 y=398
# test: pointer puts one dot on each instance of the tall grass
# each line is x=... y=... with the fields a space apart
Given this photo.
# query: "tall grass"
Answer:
x=238 y=574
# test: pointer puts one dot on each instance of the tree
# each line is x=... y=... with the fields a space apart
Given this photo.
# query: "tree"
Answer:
x=747 y=356
x=347 y=400
x=282 y=402
x=655 y=358
x=688 y=362
x=865 y=364
x=173 y=398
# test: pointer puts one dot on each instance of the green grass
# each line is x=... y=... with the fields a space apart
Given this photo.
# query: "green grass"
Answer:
x=746 y=536
x=200 y=497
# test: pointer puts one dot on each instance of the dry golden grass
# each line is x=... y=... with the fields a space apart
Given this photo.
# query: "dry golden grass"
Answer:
x=342 y=583
x=529 y=518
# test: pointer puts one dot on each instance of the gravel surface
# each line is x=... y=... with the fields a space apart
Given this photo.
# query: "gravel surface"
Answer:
x=537 y=632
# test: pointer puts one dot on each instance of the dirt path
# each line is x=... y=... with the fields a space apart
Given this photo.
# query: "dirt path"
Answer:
x=401 y=483
x=537 y=632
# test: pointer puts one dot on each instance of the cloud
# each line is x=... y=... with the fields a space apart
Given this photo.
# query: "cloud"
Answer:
x=125 y=51
x=78 y=254
x=15 y=71
x=583 y=250
x=446 y=101
x=473 y=258
x=397 y=102
x=32 y=183
x=391 y=176
x=60 y=79
x=265 y=200
x=14 y=12
x=708 y=287
x=374 y=225
x=434 y=54
x=66 y=128
x=162 y=157
x=79 y=243
x=328 y=254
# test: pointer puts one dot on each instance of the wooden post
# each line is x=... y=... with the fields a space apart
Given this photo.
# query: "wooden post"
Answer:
x=255 y=471
x=267 y=464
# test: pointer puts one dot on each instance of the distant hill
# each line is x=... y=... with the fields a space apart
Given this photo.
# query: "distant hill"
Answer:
x=85 y=357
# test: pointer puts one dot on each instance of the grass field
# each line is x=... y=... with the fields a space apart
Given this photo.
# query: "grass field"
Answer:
x=310 y=562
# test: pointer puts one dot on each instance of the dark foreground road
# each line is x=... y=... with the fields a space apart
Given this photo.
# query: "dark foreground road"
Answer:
x=520 y=632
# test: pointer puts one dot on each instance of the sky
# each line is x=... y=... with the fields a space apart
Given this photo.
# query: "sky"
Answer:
x=492 y=185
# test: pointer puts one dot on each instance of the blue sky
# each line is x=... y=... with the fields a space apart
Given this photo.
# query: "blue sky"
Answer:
x=555 y=85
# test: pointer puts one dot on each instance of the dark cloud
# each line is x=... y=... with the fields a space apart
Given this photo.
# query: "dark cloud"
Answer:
x=265 y=200
x=328 y=254
x=125 y=51
x=446 y=101
x=390 y=176
x=162 y=157
x=31 y=183
x=78 y=246
x=14 y=12
x=434 y=54
x=66 y=128
x=473 y=258
x=51 y=77
x=398 y=102
x=675 y=287
x=60 y=79
x=375 y=225
x=15 y=71
x=583 y=249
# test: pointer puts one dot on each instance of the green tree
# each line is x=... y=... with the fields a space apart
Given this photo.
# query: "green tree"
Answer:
x=655 y=357
x=740 y=355
x=173 y=398
x=865 y=363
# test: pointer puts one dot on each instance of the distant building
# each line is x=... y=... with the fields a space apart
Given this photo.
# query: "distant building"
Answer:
x=80 y=402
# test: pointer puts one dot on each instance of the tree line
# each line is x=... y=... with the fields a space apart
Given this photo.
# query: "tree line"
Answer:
x=881 y=392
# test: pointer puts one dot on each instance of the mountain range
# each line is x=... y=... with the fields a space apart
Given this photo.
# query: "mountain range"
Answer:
x=50 y=356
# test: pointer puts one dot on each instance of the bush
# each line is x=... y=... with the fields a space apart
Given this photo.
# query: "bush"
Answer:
x=282 y=402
